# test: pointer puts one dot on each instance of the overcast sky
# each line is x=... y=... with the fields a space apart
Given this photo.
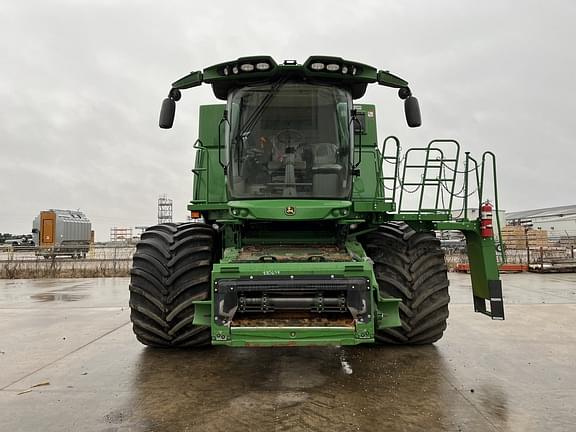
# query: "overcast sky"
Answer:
x=81 y=84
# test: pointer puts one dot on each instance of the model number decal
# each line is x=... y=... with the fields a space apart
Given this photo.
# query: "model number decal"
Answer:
x=271 y=272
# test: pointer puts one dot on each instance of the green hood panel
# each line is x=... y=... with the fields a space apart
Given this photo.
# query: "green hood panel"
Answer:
x=290 y=210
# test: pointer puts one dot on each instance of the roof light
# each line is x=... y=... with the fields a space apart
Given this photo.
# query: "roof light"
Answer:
x=333 y=67
x=344 y=69
x=226 y=71
x=262 y=66
x=317 y=66
x=235 y=70
x=354 y=70
x=247 y=67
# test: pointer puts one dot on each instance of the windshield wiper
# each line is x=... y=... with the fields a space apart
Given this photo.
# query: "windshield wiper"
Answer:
x=247 y=127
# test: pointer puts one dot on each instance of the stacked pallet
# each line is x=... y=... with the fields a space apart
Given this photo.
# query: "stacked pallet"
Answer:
x=515 y=237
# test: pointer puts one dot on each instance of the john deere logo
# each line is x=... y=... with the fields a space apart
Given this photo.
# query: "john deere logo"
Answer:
x=290 y=211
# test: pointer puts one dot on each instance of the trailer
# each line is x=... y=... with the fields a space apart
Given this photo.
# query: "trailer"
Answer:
x=62 y=233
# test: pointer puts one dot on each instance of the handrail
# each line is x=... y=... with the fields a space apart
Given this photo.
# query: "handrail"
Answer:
x=466 y=183
x=456 y=160
x=396 y=159
x=434 y=160
x=496 y=205
x=199 y=145
x=425 y=178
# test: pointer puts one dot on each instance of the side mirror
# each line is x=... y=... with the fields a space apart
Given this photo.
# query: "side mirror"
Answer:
x=412 y=112
x=167 y=113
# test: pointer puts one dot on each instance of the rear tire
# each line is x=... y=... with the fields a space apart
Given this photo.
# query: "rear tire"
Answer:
x=171 y=269
x=410 y=265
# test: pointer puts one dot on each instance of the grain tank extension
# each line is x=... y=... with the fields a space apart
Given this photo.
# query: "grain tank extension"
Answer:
x=62 y=233
x=314 y=233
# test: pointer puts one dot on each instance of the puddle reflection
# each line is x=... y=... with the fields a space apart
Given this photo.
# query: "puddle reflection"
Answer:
x=58 y=296
x=300 y=388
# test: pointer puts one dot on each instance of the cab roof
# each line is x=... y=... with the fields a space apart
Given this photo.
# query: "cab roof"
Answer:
x=233 y=74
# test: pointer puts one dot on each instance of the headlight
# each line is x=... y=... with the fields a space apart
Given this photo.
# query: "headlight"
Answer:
x=262 y=66
x=317 y=66
x=333 y=67
x=247 y=67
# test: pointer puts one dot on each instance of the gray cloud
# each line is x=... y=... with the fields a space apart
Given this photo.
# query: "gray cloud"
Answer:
x=81 y=84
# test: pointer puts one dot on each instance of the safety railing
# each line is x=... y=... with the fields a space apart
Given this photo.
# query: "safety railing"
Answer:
x=199 y=147
x=434 y=176
x=433 y=182
x=393 y=160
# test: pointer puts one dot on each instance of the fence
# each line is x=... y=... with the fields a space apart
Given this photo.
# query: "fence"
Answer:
x=116 y=260
x=98 y=261
x=539 y=258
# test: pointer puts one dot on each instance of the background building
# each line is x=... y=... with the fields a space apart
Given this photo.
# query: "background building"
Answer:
x=558 y=222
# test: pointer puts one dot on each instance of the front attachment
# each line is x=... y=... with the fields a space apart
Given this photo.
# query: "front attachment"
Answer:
x=293 y=310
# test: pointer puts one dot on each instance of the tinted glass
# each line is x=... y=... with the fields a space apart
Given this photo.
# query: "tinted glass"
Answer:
x=289 y=140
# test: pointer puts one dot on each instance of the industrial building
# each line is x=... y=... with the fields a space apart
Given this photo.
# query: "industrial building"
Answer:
x=559 y=222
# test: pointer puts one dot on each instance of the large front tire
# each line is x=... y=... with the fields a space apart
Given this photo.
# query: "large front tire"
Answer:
x=171 y=269
x=410 y=265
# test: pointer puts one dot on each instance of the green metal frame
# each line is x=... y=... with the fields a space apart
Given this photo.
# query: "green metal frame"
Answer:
x=385 y=311
x=375 y=199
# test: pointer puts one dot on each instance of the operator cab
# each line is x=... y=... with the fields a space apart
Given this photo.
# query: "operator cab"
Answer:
x=288 y=128
x=289 y=138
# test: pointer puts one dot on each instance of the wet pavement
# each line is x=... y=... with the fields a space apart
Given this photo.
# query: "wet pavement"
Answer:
x=516 y=375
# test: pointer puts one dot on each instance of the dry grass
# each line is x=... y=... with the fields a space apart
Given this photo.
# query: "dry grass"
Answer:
x=101 y=261
x=58 y=268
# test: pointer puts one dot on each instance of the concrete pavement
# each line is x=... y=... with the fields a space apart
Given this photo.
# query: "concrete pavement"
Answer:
x=516 y=375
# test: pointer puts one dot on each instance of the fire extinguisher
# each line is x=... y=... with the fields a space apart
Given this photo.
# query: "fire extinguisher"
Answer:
x=486 y=227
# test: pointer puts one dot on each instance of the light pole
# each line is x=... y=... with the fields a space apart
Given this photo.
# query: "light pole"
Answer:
x=527 y=224
x=527 y=246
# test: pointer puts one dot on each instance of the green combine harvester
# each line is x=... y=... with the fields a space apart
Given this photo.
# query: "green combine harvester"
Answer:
x=312 y=233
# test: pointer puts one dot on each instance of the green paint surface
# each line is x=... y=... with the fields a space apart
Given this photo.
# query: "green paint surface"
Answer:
x=277 y=222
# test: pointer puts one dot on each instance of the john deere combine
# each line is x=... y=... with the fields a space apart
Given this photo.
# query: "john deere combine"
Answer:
x=313 y=234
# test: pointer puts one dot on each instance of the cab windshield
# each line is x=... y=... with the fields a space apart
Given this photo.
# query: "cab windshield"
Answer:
x=289 y=139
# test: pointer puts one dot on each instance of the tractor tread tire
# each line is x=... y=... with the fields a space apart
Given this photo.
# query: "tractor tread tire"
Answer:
x=410 y=265
x=171 y=270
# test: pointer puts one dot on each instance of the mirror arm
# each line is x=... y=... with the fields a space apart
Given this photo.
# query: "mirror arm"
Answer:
x=193 y=79
x=388 y=79
x=175 y=94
